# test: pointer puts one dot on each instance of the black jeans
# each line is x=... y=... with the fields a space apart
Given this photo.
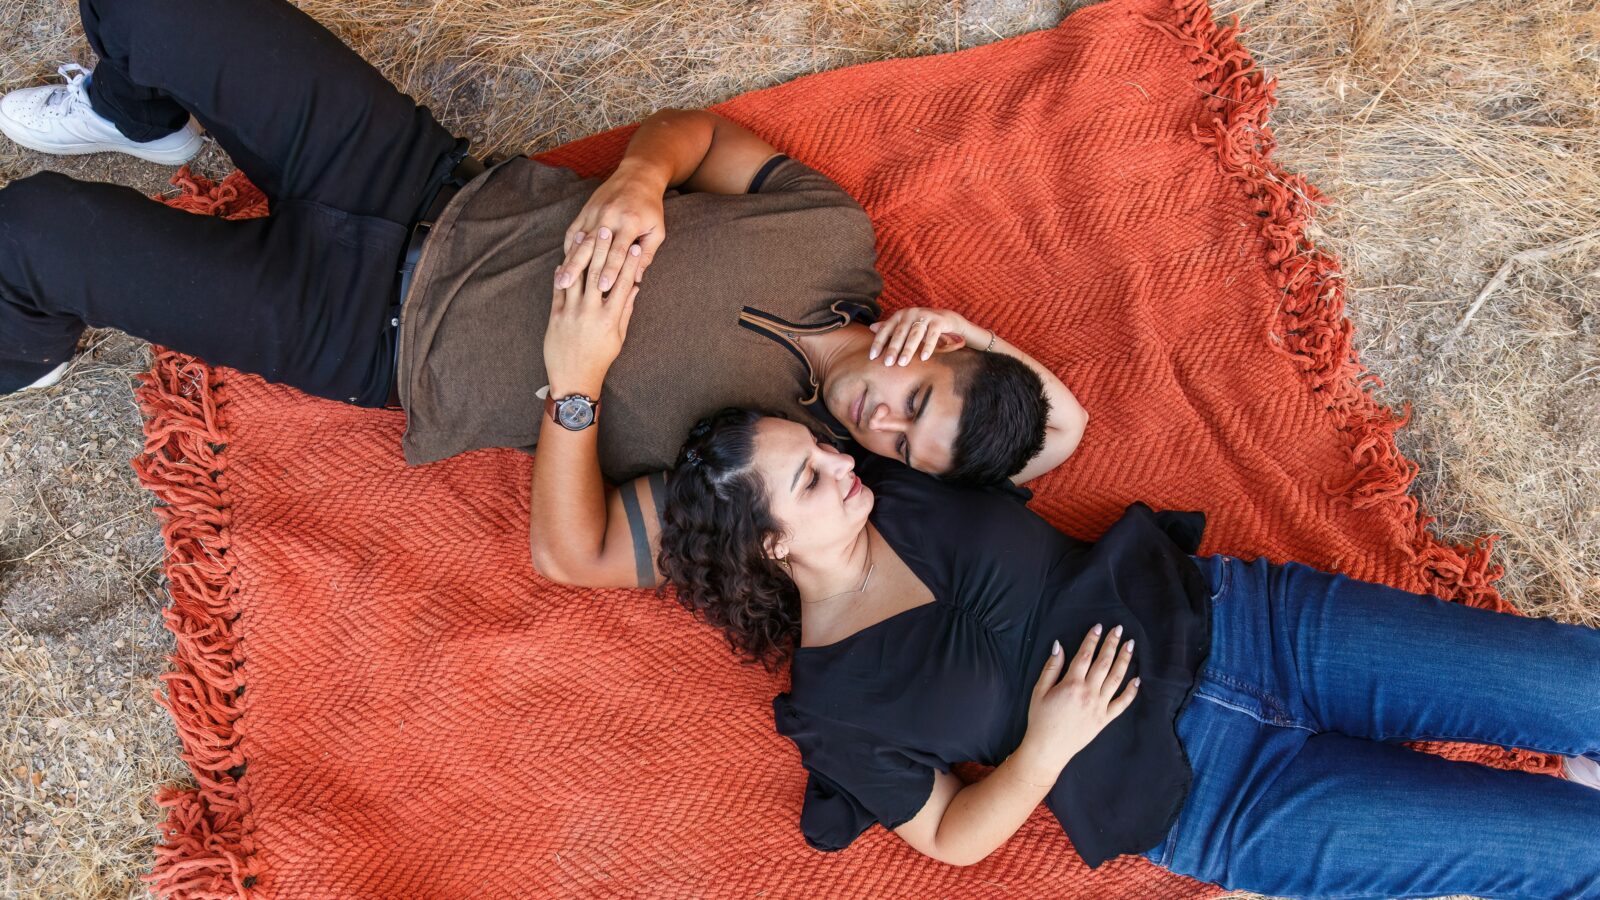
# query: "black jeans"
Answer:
x=305 y=296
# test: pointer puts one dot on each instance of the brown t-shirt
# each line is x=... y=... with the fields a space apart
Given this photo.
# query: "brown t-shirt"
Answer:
x=737 y=278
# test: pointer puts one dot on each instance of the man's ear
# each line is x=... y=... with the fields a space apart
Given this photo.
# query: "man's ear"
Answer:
x=949 y=341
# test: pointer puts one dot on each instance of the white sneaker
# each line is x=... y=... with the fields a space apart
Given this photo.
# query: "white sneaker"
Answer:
x=50 y=379
x=1583 y=770
x=58 y=119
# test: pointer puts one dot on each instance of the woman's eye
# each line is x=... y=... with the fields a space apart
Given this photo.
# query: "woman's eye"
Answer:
x=815 y=477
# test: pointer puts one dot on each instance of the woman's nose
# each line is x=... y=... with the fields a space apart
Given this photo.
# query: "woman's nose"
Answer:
x=839 y=463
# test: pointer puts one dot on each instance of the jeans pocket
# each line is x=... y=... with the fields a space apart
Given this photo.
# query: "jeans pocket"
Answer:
x=351 y=231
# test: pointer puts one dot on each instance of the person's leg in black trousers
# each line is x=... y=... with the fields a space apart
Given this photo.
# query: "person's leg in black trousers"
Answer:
x=301 y=296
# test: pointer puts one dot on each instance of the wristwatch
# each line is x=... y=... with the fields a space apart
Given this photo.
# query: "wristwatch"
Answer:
x=574 y=412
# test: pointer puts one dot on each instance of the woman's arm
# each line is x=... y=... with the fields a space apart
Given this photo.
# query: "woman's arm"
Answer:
x=579 y=531
x=907 y=332
x=684 y=148
x=963 y=825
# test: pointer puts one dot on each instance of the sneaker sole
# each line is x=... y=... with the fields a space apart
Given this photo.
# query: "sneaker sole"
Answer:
x=51 y=379
x=1583 y=771
x=177 y=157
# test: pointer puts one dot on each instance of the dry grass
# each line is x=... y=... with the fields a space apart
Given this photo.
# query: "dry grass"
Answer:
x=1453 y=134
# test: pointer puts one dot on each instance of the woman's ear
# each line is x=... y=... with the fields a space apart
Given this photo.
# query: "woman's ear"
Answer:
x=775 y=548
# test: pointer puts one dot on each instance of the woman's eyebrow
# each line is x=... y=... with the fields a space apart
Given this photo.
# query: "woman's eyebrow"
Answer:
x=798 y=472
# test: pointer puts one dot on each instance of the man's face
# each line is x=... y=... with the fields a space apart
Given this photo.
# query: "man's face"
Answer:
x=910 y=413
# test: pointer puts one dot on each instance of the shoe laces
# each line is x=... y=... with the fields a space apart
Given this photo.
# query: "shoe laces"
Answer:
x=61 y=101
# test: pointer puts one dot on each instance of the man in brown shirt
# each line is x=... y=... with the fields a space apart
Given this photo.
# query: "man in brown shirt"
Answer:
x=760 y=296
x=954 y=399
x=715 y=321
x=761 y=257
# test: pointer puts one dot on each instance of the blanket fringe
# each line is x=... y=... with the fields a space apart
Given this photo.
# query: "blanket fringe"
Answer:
x=207 y=848
x=1313 y=331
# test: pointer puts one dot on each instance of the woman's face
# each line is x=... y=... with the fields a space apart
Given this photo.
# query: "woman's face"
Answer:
x=812 y=490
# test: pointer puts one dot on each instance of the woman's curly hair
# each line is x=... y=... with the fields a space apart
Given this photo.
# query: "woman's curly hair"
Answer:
x=714 y=535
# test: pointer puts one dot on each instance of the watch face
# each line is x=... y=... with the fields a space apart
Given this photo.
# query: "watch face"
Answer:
x=575 y=414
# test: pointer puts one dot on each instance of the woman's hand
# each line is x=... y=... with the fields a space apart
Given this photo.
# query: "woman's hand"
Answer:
x=1067 y=711
x=627 y=210
x=906 y=331
x=588 y=323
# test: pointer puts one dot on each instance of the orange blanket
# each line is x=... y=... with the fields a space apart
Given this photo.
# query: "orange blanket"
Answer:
x=380 y=698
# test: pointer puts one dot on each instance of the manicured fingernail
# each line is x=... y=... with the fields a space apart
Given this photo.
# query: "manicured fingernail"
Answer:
x=605 y=282
x=872 y=354
x=577 y=238
x=1097 y=629
x=926 y=354
x=605 y=234
x=1133 y=683
x=1055 y=648
x=1116 y=631
x=564 y=279
x=1128 y=647
x=633 y=250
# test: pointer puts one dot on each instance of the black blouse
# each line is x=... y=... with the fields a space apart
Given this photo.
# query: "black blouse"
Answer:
x=875 y=714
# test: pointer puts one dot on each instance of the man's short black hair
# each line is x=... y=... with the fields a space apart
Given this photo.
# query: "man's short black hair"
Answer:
x=1003 y=416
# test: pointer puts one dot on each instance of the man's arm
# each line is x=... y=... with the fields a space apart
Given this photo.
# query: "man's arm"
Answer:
x=696 y=150
x=690 y=149
x=584 y=533
x=579 y=531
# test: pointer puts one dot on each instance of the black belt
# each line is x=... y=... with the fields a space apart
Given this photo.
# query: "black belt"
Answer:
x=467 y=169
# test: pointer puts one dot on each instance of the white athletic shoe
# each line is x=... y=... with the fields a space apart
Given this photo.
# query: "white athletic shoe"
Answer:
x=50 y=379
x=58 y=119
x=1583 y=770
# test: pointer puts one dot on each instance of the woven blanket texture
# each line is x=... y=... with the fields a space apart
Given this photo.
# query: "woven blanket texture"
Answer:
x=379 y=697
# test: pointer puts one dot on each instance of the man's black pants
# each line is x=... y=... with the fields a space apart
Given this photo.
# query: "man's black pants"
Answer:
x=304 y=296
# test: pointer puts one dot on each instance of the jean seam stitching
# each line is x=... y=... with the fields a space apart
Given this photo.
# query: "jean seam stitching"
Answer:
x=1224 y=579
x=1290 y=723
x=1255 y=692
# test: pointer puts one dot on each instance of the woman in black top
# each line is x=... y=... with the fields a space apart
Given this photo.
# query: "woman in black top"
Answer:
x=1226 y=719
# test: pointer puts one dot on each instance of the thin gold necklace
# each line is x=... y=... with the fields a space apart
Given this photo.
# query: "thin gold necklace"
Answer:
x=871 y=567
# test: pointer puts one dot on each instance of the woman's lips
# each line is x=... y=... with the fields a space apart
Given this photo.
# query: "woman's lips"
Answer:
x=855 y=487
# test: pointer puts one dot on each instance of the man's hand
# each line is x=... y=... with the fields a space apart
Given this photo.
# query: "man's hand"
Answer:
x=588 y=323
x=906 y=332
x=627 y=211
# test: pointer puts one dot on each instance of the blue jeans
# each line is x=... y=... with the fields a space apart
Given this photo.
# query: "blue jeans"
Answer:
x=1297 y=791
